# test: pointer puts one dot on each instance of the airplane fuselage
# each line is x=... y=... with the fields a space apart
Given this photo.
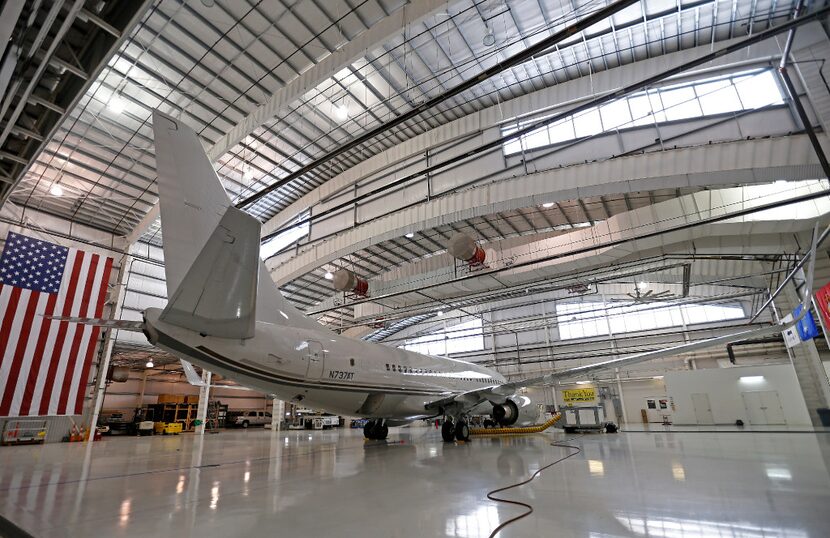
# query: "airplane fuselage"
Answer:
x=325 y=370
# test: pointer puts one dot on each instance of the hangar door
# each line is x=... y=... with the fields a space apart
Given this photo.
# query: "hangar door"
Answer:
x=763 y=407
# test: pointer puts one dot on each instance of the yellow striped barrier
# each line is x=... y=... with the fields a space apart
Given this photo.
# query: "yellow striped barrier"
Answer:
x=517 y=431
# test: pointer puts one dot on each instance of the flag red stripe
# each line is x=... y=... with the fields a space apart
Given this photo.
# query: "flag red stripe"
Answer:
x=54 y=360
x=69 y=373
x=37 y=358
x=93 y=339
x=5 y=330
x=20 y=350
x=8 y=319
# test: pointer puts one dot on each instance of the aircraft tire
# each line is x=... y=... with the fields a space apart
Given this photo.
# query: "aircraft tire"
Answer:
x=448 y=431
x=369 y=430
x=462 y=431
x=382 y=432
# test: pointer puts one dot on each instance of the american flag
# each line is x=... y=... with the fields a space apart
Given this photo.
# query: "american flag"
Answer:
x=45 y=363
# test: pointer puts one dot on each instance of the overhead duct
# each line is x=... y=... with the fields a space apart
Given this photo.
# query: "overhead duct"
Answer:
x=464 y=248
x=347 y=281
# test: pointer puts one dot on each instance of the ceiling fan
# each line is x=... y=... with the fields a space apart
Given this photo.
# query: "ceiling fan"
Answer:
x=644 y=295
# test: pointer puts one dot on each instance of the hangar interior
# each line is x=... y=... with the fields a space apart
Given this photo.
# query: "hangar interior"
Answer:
x=484 y=180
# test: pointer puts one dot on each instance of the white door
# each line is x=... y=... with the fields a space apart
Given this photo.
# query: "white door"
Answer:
x=703 y=410
x=763 y=408
x=316 y=359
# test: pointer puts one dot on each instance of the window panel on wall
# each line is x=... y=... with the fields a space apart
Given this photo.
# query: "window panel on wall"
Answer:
x=680 y=104
x=640 y=110
x=758 y=90
x=615 y=114
x=582 y=320
x=718 y=97
x=461 y=338
x=536 y=139
x=588 y=123
x=656 y=106
x=688 y=100
x=561 y=131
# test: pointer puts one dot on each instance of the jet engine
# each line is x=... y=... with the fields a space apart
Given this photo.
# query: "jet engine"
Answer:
x=345 y=280
x=517 y=410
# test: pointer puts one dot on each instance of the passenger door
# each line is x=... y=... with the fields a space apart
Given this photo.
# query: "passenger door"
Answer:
x=703 y=409
x=316 y=360
x=763 y=408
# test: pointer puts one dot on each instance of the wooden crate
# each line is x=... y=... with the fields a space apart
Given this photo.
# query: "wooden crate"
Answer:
x=192 y=398
x=171 y=398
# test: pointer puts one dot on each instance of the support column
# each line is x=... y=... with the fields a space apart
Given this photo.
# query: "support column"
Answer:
x=277 y=414
x=622 y=399
x=204 y=395
x=140 y=402
x=104 y=364
x=806 y=360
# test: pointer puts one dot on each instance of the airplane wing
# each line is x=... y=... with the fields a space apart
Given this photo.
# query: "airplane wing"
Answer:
x=497 y=394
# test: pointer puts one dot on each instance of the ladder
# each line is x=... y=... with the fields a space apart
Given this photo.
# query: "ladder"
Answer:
x=212 y=418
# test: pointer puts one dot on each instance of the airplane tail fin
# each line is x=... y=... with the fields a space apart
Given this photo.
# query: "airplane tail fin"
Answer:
x=216 y=283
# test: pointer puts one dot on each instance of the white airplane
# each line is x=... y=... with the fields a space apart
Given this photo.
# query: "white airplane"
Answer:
x=225 y=314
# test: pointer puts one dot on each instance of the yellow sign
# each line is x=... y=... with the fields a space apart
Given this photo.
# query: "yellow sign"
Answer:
x=579 y=395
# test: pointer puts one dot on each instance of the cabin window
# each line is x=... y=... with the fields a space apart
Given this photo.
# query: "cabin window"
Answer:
x=387 y=366
x=351 y=362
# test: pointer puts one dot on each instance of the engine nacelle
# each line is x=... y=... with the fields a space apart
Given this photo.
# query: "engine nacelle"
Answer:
x=517 y=410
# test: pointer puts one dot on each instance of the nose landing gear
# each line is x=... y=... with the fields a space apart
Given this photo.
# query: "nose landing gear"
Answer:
x=375 y=430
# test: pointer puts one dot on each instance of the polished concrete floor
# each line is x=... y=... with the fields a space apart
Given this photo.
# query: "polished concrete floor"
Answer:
x=298 y=483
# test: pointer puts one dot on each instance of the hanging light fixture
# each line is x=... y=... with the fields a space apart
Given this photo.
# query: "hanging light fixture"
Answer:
x=489 y=38
x=56 y=190
x=149 y=363
x=116 y=104
x=341 y=111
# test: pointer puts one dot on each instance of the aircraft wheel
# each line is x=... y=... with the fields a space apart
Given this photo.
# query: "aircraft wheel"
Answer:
x=382 y=432
x=448 y=431
x=462 y=431
x=369 y=430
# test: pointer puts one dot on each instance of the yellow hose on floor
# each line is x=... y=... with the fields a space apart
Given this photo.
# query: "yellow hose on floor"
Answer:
x=507 y=431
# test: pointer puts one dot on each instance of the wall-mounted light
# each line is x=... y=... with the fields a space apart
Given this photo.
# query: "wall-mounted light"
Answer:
x=752 y=379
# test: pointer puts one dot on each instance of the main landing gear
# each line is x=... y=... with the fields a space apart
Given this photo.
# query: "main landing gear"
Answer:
x=375 y=430
x=455 y=430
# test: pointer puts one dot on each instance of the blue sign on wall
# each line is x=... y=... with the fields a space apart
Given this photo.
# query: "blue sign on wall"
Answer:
x=807 y=329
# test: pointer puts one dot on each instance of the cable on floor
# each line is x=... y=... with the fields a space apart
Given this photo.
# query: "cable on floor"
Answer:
x=529 y=508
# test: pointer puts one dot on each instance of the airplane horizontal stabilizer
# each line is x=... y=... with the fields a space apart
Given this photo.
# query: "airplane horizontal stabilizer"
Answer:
x=120 y=324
